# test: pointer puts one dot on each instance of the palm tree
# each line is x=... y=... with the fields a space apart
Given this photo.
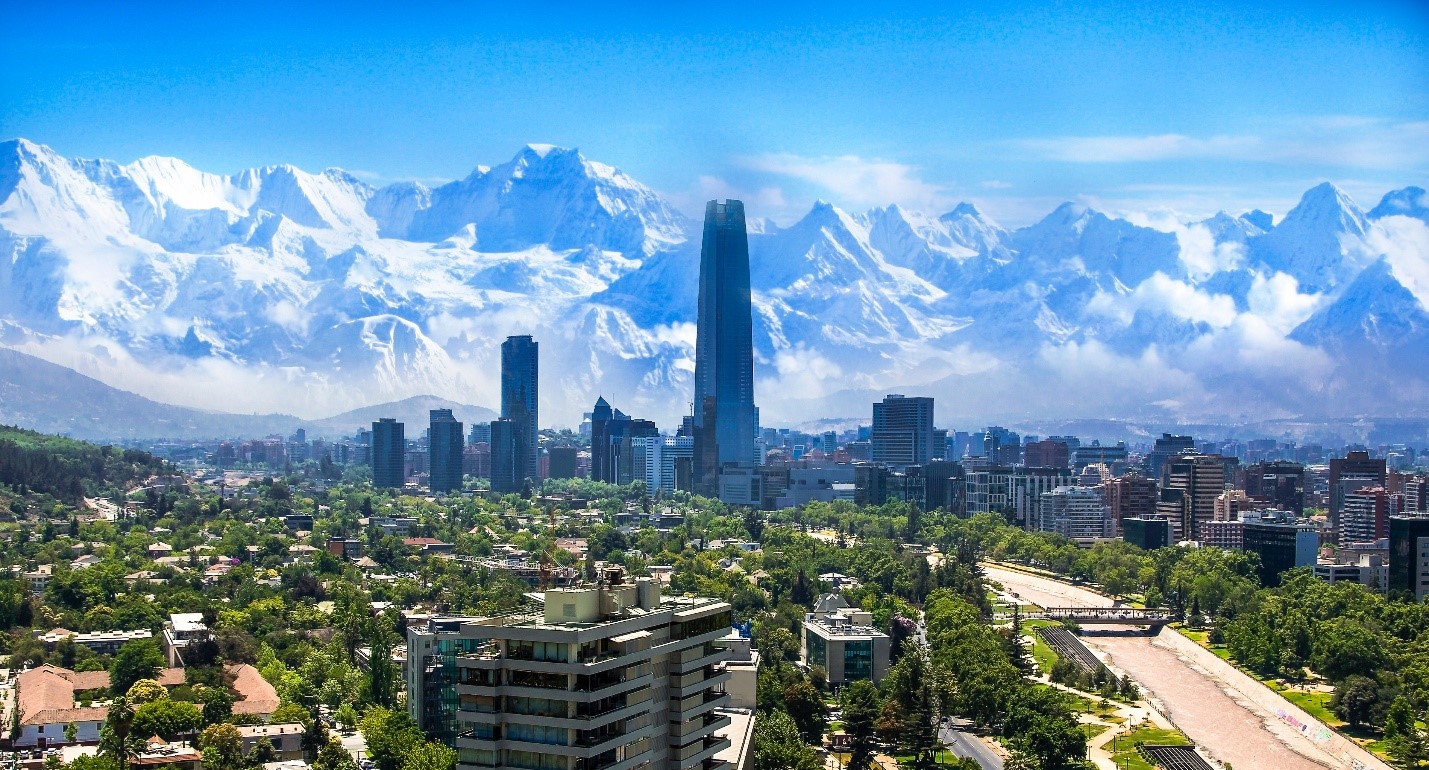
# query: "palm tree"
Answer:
x=115 y=740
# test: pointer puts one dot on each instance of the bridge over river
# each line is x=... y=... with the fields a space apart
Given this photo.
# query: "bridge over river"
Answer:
x=1118 y=616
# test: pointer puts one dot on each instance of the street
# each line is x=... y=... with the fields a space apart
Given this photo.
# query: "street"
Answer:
x=965 y=744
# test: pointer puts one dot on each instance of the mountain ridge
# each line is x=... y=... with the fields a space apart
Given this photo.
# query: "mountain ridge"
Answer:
x=276 y=288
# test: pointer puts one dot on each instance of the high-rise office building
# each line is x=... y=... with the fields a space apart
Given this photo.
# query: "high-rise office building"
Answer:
x=1001 y=446
x=1364 y=517
x=1354 y=471
x=1048 y=453
x=445 y=447
x=480 y=433
x=724 y=346
x=1164 y=449
x=1199 y=480
x=1130 y=497
x=613 y=436
x=563 y=462
x=1278 y=483
x=1409 y=556
x=389 y=449
x=507 y=467
x=903 y=431
x=519 y=387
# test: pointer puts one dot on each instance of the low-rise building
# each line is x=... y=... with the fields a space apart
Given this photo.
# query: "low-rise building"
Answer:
x=842 y=640
x=182 y=630
x=286 y=739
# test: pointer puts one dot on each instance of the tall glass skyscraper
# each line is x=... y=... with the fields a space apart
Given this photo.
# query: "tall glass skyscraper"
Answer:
x=389 y=450
x=445 y=450
x=724 y=346
x=519 y=377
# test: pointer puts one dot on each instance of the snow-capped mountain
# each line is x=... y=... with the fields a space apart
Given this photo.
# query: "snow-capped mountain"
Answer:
x=276 y=289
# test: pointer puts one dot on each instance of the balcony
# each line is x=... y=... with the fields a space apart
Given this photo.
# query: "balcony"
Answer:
x=682 y=734
x=689 y=684
x=698 y=658
x=693 y=755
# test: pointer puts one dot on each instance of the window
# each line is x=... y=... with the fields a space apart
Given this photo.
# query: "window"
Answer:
x=555 y=736
x=552 y=651
x=531 y=760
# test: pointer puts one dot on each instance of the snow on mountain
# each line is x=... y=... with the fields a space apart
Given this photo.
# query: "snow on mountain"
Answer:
x=1406 y=202
x=1314 y=241
x=276 y=289
x=545 y=195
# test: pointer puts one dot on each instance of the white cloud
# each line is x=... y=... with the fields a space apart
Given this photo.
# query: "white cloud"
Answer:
x=1164 y=295
x=856 y=182
x=1278 y=302
x=1404 y=242
x=1336 y=141
x=769 y=200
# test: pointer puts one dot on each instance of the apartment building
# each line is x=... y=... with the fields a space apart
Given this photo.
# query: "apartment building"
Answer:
x=609 y=676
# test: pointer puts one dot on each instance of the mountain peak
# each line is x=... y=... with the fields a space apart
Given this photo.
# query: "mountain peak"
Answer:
x=964 y=209
x=1407 y=202
x=1259 y=218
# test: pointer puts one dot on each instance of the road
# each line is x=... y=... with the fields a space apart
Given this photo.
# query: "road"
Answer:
x=965 y=744
x=1230 y=727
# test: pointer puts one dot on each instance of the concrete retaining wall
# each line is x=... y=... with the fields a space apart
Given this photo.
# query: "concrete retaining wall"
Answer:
x=1271 y=702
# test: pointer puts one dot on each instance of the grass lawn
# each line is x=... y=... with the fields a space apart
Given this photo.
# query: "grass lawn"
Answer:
x=1316 y=704
x=1125 y=753
x=1044 y=655
x=943 y=757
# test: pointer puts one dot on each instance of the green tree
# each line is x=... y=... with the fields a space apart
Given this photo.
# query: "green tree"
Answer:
x=145 y=691
x=391 y=735
x=804 y=704
x=222 y=747
x=1354 y=699
x=139 y=659
x=217 y=703
x=347 y=716
x=1344 y=647
x=116 y=740
x=430 y=756
x=332 y=756
x=167 y=719
x=860 y=711
x=778 y=745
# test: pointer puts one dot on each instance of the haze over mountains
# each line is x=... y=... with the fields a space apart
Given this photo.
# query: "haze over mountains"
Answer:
x=279 y=290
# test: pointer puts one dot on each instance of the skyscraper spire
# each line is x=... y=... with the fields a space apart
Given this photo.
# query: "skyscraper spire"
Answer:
x=724 y=347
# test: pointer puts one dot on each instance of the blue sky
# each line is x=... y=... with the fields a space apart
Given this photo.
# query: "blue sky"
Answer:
x=1190 y=107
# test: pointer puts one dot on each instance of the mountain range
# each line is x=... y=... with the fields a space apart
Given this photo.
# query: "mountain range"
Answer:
x=280 y=290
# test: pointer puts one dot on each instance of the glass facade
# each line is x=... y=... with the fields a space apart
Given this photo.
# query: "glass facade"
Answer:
x=858 y=660
x=724 y=348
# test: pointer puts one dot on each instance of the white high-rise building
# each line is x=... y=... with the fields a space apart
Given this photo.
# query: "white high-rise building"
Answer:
x=606 y=677
x=1079 y=513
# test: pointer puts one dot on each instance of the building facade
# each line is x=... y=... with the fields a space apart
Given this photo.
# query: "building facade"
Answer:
x=724 y=411
x=605 y=677
x=1409 y=556
x=389 y=450
x=445 y=445
x=520 y=386
x=903 y=431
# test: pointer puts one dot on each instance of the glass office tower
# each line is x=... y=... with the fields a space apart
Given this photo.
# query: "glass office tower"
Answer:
x=724 y=347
